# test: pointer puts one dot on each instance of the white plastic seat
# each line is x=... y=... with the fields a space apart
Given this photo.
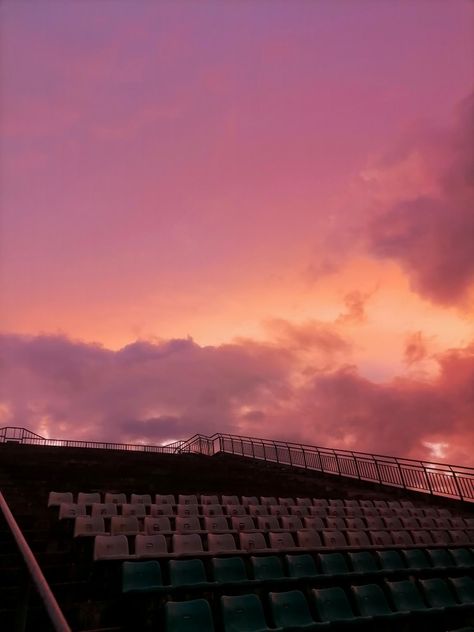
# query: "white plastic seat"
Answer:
x=117 y=499
x=124 y=525
x=257 y=510
x=56 y=498
x=68 y=511
x=336 y=502
x=268 y=500
x=314 y=522
x=106 y=510
x=89 y=526
x=110 y=547
x=86 y=498
x=401 y=537
x=355 y=523
x=337 y=512
x=335 y=523
x=286 y=502
x=161 y=510
x=357 y=538
x=165 y=499
x=320 y=502
x=413 y=523
x=393 y=504
x=268 y=523
x=187 y=499
x=304 y=502
x=156 y=524
x=150 y=545
x=333 y=538
x=230 y=500
x=235 y=510
x=221 y=543
x=133 y=510
x=188 y=523
x=243 y=523
x=421 y=536
x=212 y=510
x=140 y=499
x=187 y=543
x=319 y=512
x=250 y=500
x=187 y=510
x=252 y=541
x=207 y=499
x=278 y=510
x=308 y=539
x=291 y=523
x=393 y=523
x=381 y=538
x=281 y=540
x=216 y=524
x=355 y=512
x=375 y=523
x=299 y=510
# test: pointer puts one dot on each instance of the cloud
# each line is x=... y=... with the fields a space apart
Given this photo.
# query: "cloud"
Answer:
x=355 y=302
x=156 y=391
x=415 y=348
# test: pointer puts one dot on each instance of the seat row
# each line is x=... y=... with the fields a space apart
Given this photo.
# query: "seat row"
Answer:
x=116 y=545
x=389 y=607
x=148 y=576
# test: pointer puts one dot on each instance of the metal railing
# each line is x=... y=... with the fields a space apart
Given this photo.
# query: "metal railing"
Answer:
x=57 y=619
x=439 y=479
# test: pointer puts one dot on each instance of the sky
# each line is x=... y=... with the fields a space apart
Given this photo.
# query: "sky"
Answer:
x=248 y=217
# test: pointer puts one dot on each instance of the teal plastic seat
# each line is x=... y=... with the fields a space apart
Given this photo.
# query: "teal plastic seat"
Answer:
x=188 y=616
x=141 y=577
x=406 y=596
x=187 y=573
x=462 y=557
x=416 y=558
x=464 y=587
x=301 y=566
x=440 y=558
x=371 y=602
x=229 y=570
x=267 y=567
x=243 y=613
x=290 y=610
x=333 y=564
x=363 y=562
x=437 y=593
x=390 y=560
x=333 y=605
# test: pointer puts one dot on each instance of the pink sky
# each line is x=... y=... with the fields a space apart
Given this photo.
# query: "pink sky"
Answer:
x=245 y=216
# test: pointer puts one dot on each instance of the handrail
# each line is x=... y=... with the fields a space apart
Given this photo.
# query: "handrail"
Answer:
x=57 y=618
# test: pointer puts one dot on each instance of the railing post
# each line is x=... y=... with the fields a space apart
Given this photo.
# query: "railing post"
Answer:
x=289 y=455
x=253 y=448
x=401 y=473
x=356 y=465
x=276 y=452
x=304 y=458
x=427 y=476
x=264 y=451
x=337 y=463
x=377 y=470
x=458 y=487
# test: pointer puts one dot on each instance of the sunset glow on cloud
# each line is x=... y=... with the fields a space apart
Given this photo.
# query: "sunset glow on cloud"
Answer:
x=243 y=217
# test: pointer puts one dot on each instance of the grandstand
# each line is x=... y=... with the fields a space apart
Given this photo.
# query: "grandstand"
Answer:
x=232 y=534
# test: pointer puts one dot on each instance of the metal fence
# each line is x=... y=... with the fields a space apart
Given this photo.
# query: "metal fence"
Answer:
x=439 y=479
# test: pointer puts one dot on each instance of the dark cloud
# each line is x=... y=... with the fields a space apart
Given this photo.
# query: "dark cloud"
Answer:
x=415 y=348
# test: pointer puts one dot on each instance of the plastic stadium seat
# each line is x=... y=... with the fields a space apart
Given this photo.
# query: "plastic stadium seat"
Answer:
x=421 y=537
x=357 y=538
x=71 y=510
x=216 y=524
x=252 y=541
x=440 y=558
x=350 y=502
x=88 y=526
x=335 y=523
x=117 y=499
x=370 y=512
x=221 y=542
x=161 y=510
x=150 y=545
x=333 y=605
x=336 y=502
x=212 y=510
x=366 y=503
x=106 y=510
x=417 y=513
x=355 y=523
x=354 y=511
x=154 y=525
x=235 y=510
x=304 y=502
x=141 y=577
x=443 y=523
x=56 y=498
x=243 y=613
x=464 y=589
x=257 y=510
x=336 y=512
x=469 y=523
x=250 y=500
x=381 y=538
x=444 y=513
x=110 y=547
x=318 y=512
x=189 y=524
x=187 y=510
x=229 y=570
x=268 y=523
x=458 y=536
x=281 y=540
x=333 y=563
x=291 y=523
x=416 y=558
x=290 y=610
x=187 y=499
x=184 y=544
x=278 y=510
x=133 y=510
x=437 y=593
x=334 y=538
x=313 y=522
x=423 y=523
x=230 y=500
x=407 y=504
x=363 y=562
x=406 y=596
x=165 y=499
x=320 y=502
x=267 y=567
x=209 y=500
x=380 y=504
x=394 y=504
x=299 y=510
x=188 y=616
x=301 y=566
x=372 y=602
x=440 y=537
x=125 y=525
x=385 y=512
x=308 y=539
x=84 y=498
x=140 y=499
x=392 y=523
x=242 y=523
x=187 y=573
x=286 y=502
x=390 y=560
x=462 y=557
x=402 y=538
x=268 y=500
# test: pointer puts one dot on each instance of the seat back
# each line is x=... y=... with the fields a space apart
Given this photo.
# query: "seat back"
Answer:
x=308 y=539
x=334 y=538
x=165 y=499
x=267 y=567
x=437 y=593
x=187 y=510
x=141 y=576
x=252 y=541
x=117 y=499
x=188 y=523
x=464 y=588
x=243 y=613
x=56 y=498
x=150 y=545
x=134 y=509
x=85 y=498
x=110 y=547
x=405 y=595
x=357 y=538
x=363 y=562
x=140 y=499
x=268 y=523
x=228 y=569
x=290 y=609
x=242 y=523
x=281 y=540
x=187 y=499
x=188 y=616
x=163 y=509
x=216 y=524
x=333 y=563
x=371 y=600
x=187 y=543
x=286 y=502
x=154 y=525
x=249 y=500
x=230 y=500
x=126 y=525
x=212 y=510
x=218 y=542
x=88 y=526
x=106 y=510
x=390 y=560
x=207 y=499
x=292 y=523
x=187 y=572
x=68 y=511
x=332 y=604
